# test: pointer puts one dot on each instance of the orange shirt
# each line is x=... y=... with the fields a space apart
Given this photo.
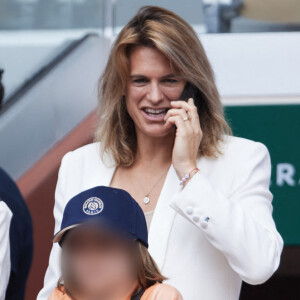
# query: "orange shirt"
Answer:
x=158 y=291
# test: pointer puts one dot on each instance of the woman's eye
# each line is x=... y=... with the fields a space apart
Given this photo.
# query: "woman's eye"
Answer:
x=139 y=81
x=171 y=80
x=143 y=81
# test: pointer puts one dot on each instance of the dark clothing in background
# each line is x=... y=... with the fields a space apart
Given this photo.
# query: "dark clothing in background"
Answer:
x=21 y=240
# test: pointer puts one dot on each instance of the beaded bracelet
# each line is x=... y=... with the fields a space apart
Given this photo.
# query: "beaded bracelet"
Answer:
x=187 y=176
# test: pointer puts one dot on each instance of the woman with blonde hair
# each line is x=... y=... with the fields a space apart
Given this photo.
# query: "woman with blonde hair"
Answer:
x=162 y=137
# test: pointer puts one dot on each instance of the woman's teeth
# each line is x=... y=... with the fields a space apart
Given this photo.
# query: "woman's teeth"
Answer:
x=155 y=112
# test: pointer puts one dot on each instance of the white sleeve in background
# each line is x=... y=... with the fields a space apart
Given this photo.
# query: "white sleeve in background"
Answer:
x=5 y=219
x=240 y=225
x=53 y=271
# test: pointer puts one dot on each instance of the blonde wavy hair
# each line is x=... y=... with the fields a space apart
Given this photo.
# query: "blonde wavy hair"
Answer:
x=167 y=32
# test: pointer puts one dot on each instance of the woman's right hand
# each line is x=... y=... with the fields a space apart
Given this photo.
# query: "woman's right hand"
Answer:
x=188 y=135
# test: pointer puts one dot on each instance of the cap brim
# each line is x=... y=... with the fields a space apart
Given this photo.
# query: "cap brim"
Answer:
x=57 y=237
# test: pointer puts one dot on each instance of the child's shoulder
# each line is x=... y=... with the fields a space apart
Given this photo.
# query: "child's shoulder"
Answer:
x=58 y=295
x=162 y=291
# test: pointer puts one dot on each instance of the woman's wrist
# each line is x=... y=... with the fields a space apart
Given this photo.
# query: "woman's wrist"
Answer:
x=196 y=170
x=185 y=169
x=188 y=175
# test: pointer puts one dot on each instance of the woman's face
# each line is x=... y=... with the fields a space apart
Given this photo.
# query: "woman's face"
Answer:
x=150 y=89
x=97 y=260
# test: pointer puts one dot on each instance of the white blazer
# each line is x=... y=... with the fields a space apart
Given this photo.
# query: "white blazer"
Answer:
x=207 y=237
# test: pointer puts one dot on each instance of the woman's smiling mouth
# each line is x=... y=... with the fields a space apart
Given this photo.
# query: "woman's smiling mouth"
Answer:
x=154 y=114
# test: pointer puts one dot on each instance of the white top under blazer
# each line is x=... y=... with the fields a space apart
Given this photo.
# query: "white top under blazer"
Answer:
x=207 y=237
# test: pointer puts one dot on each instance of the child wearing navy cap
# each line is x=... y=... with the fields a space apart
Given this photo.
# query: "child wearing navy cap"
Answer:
x=104 y=243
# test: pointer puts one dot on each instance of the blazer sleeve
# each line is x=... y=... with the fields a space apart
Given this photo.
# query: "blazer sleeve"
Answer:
x=53 y=271
x=5 y=266
x=239 y=225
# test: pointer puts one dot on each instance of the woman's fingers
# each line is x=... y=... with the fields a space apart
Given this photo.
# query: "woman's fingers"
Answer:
x=179 y=112
x=188 y=109
x=175 y=112
x=178 y=121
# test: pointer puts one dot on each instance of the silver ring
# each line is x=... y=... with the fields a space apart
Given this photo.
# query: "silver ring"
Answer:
x=186 y=118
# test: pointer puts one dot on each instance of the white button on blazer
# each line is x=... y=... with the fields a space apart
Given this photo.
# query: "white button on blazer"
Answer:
x=207 y=237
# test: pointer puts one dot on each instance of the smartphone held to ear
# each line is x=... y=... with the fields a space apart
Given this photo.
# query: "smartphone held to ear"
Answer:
x=189 y=91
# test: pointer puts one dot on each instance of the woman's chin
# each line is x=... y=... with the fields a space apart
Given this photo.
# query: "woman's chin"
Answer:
x=158 y=131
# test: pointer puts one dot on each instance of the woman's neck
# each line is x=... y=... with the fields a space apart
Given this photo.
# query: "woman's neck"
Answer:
x=153 y=151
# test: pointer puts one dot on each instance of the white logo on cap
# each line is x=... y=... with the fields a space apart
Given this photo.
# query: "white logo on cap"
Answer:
x=93 y=206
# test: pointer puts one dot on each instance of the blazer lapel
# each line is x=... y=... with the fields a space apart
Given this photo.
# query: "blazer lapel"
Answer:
x=162 y=219
x=105 y=171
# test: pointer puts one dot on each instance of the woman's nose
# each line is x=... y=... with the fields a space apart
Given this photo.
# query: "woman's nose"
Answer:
x=155 y=94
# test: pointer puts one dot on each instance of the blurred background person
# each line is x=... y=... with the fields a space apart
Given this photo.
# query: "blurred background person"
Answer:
x=16 y=248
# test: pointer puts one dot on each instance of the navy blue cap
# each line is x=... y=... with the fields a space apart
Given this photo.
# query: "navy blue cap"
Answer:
x=111 y=206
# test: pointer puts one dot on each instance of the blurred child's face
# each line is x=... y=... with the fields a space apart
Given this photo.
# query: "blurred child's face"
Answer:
x=97 y=261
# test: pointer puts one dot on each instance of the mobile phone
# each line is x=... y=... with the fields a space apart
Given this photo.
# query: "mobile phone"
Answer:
x=189 y=91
